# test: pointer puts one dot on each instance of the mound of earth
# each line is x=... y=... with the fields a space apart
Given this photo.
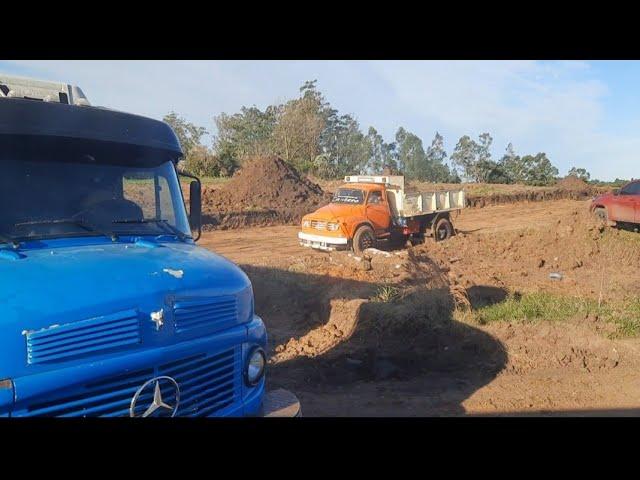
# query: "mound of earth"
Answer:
x=568 y=188
x=572 y=182
x=592 y=260
x=266 y=191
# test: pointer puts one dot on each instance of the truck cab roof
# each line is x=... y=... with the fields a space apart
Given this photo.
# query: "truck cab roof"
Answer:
x=46 y=109
x=363 y=186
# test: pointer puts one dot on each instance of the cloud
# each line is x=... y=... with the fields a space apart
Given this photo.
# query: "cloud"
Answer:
x=555 y=107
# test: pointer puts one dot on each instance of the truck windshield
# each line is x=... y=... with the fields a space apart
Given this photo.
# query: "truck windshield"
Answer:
x=348 y=195
x=44 y=197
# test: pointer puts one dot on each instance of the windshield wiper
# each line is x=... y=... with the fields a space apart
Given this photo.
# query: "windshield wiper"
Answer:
x=73 y=221
x=8 y=239
x=168 y=227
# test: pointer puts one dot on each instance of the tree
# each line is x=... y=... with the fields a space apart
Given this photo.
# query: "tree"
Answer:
x=352 y=149
x=188 y=134
x=539 y=170
x=484 y=147
x=381 y=154
x=245 y=134
x=465 y=156
x=204 y=163
x=580 y=173
x=437 y=169
x=512 y=166
x=412 y=159
x=296 y=135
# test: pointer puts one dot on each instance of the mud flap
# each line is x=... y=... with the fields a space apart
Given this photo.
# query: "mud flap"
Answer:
x=280 y=403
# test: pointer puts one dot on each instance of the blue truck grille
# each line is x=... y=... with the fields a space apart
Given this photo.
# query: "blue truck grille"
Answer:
x=213 y=314
x=208 y=385
x=87 y=337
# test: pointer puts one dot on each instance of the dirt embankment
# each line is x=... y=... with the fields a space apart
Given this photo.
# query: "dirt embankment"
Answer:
x=594 y=261
x=570 y=188
x=266 y=191
x=269 y=191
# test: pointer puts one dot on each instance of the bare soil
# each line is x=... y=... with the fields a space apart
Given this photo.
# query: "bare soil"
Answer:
x=266 y=191
x=382 y=335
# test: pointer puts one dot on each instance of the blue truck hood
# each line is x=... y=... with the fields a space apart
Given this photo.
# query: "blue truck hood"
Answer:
x=62 y=282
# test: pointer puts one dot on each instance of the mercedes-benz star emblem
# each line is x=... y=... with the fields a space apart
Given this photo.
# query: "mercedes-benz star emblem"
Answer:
x=157 y=404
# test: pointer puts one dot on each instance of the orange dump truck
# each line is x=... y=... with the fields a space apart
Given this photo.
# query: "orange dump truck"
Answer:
x=367 y=210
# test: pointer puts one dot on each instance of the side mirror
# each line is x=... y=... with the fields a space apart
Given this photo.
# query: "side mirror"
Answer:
x=195 y=208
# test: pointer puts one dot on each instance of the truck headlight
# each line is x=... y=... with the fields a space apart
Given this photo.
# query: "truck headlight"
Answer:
x=332 y=226
x=306 y=223
x=255 y=366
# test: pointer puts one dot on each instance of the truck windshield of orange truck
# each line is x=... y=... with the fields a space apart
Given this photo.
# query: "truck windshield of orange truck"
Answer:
x=348 y=195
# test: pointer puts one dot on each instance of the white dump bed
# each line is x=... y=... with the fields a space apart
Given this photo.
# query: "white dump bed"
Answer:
x=422 y=203
x=415 y=203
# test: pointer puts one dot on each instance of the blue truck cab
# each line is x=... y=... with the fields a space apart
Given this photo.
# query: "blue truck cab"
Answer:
x=107 y=305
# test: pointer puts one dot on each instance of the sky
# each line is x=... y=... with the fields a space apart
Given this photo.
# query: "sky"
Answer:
x=582 y=114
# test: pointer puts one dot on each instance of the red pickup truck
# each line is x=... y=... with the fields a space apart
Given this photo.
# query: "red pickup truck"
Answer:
x=619 y=207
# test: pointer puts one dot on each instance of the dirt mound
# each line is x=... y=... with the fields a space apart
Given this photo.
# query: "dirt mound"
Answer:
x=572 y=182
x=479 y=201
x=266 y=191
x=591 y=260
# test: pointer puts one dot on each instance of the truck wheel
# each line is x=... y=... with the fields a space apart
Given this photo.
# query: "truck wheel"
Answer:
x=363 y=239
x=601 y=214
x=442 y=230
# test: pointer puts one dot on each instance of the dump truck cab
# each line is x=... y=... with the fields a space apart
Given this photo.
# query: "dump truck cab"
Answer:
x=108 y=307
x=366 y=210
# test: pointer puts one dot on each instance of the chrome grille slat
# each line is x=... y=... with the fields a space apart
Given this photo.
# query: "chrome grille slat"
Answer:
x=318 y=224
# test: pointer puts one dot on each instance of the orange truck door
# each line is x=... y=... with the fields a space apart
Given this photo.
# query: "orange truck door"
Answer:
x=624 y=205
x=377 y=211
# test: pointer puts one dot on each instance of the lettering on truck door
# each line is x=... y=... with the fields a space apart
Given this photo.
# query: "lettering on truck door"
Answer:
x=624 y=205
x=377 y=211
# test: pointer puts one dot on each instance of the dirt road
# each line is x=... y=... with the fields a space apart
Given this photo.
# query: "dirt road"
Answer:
x=268 y=245
x=339 y=340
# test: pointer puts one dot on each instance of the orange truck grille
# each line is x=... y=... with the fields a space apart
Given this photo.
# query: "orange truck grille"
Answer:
x=318 y=225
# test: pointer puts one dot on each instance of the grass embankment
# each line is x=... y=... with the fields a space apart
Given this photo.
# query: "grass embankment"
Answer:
x=540 y=306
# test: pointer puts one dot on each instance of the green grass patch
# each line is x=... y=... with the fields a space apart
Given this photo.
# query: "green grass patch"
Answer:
x=386 y=294
x=484 y=190
x=540 y=306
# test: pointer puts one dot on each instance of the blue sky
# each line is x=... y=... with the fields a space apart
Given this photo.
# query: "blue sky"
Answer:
x=584 y=114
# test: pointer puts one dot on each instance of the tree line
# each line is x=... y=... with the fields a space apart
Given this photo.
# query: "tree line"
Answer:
x=315 y=138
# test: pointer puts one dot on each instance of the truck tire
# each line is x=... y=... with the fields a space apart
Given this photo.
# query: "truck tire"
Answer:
x=442 y=230
x=363 y=239
x=601 y=214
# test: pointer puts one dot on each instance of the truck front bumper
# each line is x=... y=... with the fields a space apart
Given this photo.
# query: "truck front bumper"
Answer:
x=323 y=242
x=280 y=403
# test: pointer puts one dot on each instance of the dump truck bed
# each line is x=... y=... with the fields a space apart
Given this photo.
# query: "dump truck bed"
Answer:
x=426 y=202
x=412 y=204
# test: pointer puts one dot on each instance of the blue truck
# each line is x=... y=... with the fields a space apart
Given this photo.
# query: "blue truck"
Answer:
x=107 y=305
